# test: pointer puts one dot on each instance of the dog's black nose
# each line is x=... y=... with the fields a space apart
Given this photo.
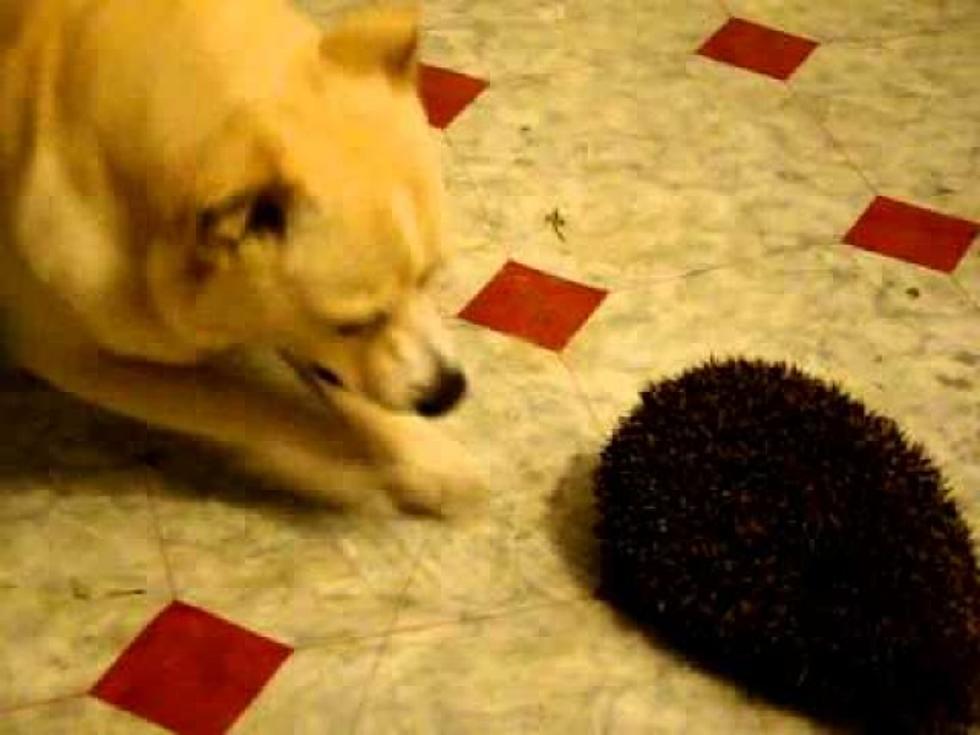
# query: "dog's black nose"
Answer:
x=446 y=394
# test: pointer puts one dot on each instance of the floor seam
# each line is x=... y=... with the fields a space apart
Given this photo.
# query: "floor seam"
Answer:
x=396 y=631
x=38 y=704
x=385 y=643
x=155 y=521
x=798 y=101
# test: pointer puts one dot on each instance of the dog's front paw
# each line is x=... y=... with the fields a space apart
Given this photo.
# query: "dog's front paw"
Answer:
x=443 y=480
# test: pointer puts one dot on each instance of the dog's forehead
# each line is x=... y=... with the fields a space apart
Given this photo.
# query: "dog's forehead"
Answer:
x=373 y=195
x=388 y=229
x=408 y=230
x=355 y=241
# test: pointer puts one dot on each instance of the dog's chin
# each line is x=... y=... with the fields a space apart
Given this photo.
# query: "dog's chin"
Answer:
x=326 y=376
x=318 y=379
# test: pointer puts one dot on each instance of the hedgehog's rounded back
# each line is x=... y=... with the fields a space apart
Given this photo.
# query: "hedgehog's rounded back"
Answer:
x=778 y=532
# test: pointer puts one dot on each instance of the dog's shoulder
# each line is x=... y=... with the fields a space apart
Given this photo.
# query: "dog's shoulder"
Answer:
x=12 y=18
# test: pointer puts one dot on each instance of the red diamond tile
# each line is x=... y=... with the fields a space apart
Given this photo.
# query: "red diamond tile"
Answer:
x=446 y=93
x=913 y=234
x=191 y=672
x=533 y=305
x=758 y=48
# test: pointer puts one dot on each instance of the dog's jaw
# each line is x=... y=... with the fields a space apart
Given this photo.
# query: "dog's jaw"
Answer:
x=327 y=376
x=316 y=378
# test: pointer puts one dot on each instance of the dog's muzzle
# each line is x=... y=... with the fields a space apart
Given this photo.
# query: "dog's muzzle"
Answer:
x=442 y=397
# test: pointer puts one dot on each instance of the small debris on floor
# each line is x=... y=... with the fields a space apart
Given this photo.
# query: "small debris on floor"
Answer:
x=557 y=222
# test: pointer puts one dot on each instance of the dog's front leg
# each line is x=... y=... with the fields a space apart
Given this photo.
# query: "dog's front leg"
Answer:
x=425 y=469
x=297 y=438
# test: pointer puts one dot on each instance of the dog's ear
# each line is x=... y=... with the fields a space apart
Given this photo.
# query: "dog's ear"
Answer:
x=385 y=38
x=222 y=226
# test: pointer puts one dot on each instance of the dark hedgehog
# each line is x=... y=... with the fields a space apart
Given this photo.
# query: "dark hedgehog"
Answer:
x=777 y=532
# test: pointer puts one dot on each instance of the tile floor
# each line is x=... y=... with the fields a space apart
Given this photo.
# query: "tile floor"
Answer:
x=651 y=182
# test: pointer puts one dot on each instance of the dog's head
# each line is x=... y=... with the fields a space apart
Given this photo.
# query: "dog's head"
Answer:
x=317 y=205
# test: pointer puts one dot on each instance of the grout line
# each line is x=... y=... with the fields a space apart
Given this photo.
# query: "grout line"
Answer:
x=500 y=613
x=38 y=704
x=803 y=107
x=168 y=571
x=483 y=218
x=973 y=301
x=608 y=711
x=888 y=38
x=385 y=643
x=705 y=270
x=358 y=717
x=393 y=630
x=463 y=618
x=597 y=425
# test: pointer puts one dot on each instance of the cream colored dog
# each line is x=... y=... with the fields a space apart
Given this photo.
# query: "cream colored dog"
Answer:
x=185 y=181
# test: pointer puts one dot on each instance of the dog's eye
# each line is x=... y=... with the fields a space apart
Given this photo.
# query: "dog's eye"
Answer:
x=267 y=215
x=362 y=328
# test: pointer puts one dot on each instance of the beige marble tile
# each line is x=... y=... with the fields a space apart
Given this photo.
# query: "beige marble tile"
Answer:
x=687 y=160
x=291 y=570
x=502 y=40
x=476 y=254
x=692 y=704
x=569 y=668
x=80 y=573
x=906 y=290
x=528 y=424
x=904 y=111
x=967 y=275
x=837 y=19
x=87 y=537
x=497 y=40
x=320 y=690
x=533 y=671
x=959 y=11
x=57 y=645
x=81 y=715
x=779 y=164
